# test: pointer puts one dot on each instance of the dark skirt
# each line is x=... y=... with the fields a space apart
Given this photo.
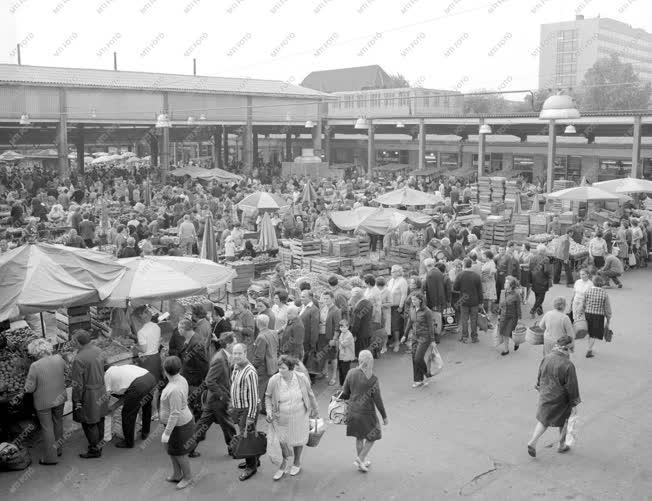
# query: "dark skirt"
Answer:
x=182 y=440
x=595 y=325
x=363 y=426
x=397 y=321
x=525 y=277
x=507 y=325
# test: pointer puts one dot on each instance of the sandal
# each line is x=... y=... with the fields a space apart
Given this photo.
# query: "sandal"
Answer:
x=531 y=451
x=563 y=448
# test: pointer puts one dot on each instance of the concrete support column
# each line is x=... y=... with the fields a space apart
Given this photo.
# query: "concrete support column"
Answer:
x=439 y=160
x=165 y=142
x=371 y=149
x=327 y=144
x=79 y=144
x=552 y=151
x=254 y=142
x=247 y=140
x=422 y=144
x=153 y=151
x=217 y=147
x=316 y=138
x=288 y=146
x=62 y=136
x=225 y=141
x=481 y=150
x=174 y=153
x=636 y=148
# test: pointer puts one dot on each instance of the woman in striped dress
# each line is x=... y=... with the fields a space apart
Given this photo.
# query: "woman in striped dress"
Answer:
x=290 y=403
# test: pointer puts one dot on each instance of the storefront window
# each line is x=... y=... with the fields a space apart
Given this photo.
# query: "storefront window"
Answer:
x=647 y=168
x=487 y=163
x=431 y=159
x=523 y=166
x=613 y=169
x=449 y=161
x=387 y=157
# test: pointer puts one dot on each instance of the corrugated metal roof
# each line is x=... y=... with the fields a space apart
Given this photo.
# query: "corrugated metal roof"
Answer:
x=107 y=79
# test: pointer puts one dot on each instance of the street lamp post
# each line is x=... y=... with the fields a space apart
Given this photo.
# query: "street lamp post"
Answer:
x=557 y=107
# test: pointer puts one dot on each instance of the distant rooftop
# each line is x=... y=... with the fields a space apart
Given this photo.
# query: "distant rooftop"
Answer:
x=137 y=80
x=348 y=79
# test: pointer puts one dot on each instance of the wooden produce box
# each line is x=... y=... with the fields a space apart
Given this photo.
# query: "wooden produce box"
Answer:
x=244 y=276
x=303 y=248
x=325 y=265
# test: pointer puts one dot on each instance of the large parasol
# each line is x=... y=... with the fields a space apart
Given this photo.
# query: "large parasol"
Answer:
x=263 y=200
x=625 y=185
x=206 y=174
x=36 y=277
x=376 y=220
x=309 y=193
x=153 y=278
x=267 y=239
x=583 y=194
x=208 y=245
x=10 y=156
x=409 y=197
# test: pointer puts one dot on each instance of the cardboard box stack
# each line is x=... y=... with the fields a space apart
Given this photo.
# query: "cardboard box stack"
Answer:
x=539 y=223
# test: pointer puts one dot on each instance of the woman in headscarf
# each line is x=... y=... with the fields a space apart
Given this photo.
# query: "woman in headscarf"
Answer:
x=559 y=394
x=488 y=280
x=243 y=322
x=582 y=285
x=362 y=391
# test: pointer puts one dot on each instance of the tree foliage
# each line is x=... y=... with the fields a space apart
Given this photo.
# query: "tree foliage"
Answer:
x=398 y=81
x=611 y=84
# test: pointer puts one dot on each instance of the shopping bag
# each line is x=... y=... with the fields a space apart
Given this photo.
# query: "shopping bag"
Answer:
x=317 y=429
x=338 y=410
x=495 y=335
x=608 y=335
x=632 y=259
x=433 y=359
x=313 y=363
x=581 y=329
x=483 y=322
x=274 y=445
x=253 y=445
x=571 y=430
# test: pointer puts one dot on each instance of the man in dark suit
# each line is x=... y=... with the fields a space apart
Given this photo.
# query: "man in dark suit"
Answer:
x=309 y=315
x=265 y=355
x=220 y=325
x=194 y=365
x=218 y=394
x=469 y=286
x=291 y=342
x=361 y=311
x=436 y=299
x=89 y=398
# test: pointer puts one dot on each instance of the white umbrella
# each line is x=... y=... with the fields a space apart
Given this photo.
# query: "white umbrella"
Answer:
x=625 y=185
x=153 y=278
x=100 y=154
x=583 y=194
x=408 y=196
x=263 y=200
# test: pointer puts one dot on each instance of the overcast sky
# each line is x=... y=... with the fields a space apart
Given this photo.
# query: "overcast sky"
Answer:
x=452 y=44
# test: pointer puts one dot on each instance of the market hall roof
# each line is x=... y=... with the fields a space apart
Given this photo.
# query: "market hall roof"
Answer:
x=348 y=79
x=137 y=80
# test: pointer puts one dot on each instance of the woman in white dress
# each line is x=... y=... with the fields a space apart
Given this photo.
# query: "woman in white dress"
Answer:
x=280 y=309
x=579 y=289
x=290 y=403
x=488 y=280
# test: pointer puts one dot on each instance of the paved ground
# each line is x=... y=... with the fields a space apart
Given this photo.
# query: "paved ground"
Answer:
x=463 y=436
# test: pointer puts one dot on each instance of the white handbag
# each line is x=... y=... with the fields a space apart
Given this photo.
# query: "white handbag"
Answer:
x=338 y=410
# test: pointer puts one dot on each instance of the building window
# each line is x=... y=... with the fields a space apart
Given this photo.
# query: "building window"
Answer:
x=348 y=101
x=426 y=101
x=361 y=103
x=435 y=100
x=449 y=161
x=446 y=101
x=613 y=169
x=389 y=99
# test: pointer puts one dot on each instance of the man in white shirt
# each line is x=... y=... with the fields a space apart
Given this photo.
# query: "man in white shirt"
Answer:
x=149 y=343
x=398 y=289
x=133 y=386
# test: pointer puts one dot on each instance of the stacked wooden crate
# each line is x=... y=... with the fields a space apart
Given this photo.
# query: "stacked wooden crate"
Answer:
x=100 y=319
x=363 y=246
x=484 y=189
x=323 y=264
x=503 y=233
x=75 y=318
x=304 y=248
x=244 y=276
x=521 y=227
x=285 y=255
x=343 y=247
x=512 y=192
x=498 y=189
x=539 y=223
x=567 y=219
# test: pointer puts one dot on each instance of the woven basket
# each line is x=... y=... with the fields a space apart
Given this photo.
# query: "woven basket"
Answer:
x=534 y=335
x=315 y=437
x=518 y=336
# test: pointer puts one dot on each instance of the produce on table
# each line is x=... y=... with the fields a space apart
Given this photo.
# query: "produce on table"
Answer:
x=13 y=371
x=541 y=238
x=17 y=340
